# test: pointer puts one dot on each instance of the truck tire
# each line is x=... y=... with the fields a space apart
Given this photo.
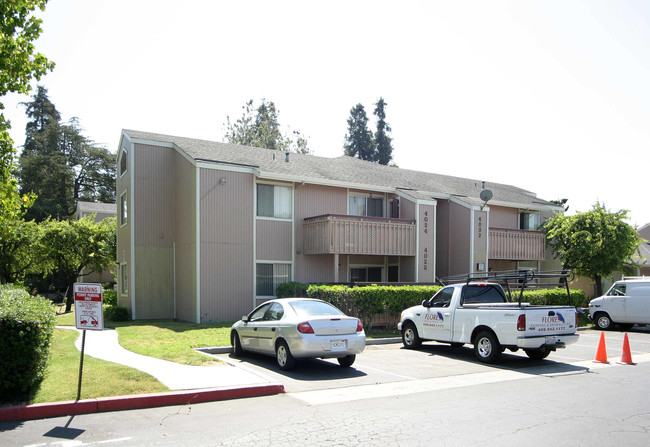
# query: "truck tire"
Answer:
x=410 y=337
x=603 y=322
x=537 y=354
x=487 y=347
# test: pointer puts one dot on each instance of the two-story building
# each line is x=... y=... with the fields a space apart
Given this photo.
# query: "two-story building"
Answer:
x=207 y=230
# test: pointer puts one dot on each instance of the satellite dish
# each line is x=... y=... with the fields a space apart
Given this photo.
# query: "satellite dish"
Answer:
x=485 y=195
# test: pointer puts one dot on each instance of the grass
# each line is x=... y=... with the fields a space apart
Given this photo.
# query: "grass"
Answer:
x=100 y=378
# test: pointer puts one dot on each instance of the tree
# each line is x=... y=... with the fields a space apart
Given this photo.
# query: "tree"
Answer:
x=384 y=154
x=60 y=165
x=17 y=255
x=594 y=243
x=260 y=127
x=359 y=141
x=68 y=247
x=19 y=64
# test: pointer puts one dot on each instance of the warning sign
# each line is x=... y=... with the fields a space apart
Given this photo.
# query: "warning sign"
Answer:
x=88 y=306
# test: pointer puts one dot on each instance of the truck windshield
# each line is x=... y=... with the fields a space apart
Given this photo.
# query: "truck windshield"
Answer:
x=482 y=294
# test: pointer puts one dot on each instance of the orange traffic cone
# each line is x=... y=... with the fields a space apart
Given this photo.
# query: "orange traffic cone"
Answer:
x=626 y=357
x=601 y=354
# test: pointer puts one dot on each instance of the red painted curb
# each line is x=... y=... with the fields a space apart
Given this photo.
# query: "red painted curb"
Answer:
x=68 y=408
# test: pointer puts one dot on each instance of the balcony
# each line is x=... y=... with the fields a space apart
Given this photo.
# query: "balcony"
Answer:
x=357 y=235
x=516 y=245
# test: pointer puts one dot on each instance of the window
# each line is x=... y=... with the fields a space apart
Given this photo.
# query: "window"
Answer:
x=273 y=201
x=617 y=290
x=480 y=294
x=442 y=298
x=528 y=221
x=123 y=161
x=270 y=276
x=366 y=206
x=258 y=314
x=365 y=274
x=123 y=210
x=306 y=308
x=124 y=279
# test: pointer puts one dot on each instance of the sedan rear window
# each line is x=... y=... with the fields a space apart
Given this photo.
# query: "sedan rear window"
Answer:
x=314 y=308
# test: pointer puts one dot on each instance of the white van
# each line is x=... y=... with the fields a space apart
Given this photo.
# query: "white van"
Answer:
x=626 y=303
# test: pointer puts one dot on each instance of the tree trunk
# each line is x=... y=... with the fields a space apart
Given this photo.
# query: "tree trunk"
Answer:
x=599 y=285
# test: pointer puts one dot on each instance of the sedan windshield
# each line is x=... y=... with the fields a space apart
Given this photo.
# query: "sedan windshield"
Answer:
x=314 y=308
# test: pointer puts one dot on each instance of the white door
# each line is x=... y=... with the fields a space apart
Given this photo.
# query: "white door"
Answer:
x=437 y=318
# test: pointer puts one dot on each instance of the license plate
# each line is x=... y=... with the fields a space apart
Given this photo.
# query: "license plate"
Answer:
x=337 y=345
x=550 y=340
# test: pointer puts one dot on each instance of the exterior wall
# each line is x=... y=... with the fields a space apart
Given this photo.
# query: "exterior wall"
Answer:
x=273 y=240
x=426 y=264
x=124 y=231
x=153 y=219
x=310 y=201
x=502 y=217
x=459 y=239
x=406 y=209
x=442 y=239
x=480 y=245
x=227 y=264
x=184 y=245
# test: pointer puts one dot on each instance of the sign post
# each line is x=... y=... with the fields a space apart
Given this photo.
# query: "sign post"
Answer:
x=89 y=315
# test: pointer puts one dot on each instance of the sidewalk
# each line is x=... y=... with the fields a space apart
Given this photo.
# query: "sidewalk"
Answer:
x=188 y=384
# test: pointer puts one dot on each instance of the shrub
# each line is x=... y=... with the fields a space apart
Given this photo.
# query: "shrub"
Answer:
x=110 y=297
x=291 y=289
x=116 y=313
x=551 y=297
x=26 y=328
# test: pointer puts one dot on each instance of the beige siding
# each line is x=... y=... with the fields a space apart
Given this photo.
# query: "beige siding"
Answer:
x=310 y=201
x=273 y=240
x=152 y=215
x=442 y=238
x=459 y=240
x=184 y=199
x=226 y=244
x=502 y=217
x=406 y=209
x=123 y=232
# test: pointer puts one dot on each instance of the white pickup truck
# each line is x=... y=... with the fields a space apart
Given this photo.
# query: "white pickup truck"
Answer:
x=479 y=313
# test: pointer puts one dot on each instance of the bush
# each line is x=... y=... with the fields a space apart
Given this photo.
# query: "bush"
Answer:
x=370 y=301
x=110 y=297
x=26 y=329
x=116 y=313
x=551 y=297
x=291 y=289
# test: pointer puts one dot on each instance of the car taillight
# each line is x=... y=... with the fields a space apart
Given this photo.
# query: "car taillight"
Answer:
x=305 y=328
x=521 y=322
x=359 y=326
x=576 y=320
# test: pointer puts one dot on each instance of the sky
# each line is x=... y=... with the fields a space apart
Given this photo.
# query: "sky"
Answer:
x=552 y=96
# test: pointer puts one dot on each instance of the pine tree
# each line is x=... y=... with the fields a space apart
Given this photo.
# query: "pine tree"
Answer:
x=384 y=154
x=358 y=141
x=60 y=165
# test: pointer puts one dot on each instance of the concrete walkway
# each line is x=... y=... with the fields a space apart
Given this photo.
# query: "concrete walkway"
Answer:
x=104 y=345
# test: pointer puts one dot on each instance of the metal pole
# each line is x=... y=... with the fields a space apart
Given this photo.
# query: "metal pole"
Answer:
x=81 y=363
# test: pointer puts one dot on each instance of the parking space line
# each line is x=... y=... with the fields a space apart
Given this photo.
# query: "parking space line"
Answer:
x=362 y=367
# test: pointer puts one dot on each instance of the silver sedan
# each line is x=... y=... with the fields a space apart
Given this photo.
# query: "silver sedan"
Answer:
x=295 y=328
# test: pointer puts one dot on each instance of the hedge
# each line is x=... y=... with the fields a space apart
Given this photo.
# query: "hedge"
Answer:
x=368 y=302
x=26 y=329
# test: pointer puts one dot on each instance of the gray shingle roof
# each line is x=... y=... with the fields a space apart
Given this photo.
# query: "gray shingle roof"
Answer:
x=348 y=170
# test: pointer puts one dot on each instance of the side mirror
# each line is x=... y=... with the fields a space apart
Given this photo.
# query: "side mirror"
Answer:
x=244 y=318
x=425 y=303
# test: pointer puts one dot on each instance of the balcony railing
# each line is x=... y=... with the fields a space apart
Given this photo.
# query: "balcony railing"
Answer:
x=342 y=234
x=516 y=245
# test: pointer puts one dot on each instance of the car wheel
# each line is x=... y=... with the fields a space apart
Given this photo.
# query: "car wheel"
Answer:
x=347 y=361
x=487 y=347
x=603 y=322
x=283 y=356
x=410 y=337
x=237 y=350
x=537 y=354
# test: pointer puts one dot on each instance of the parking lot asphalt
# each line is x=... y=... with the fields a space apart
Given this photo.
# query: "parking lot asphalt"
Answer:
x=391 y=363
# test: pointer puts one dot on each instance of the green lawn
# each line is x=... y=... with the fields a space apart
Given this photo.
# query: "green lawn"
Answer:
x=100 y=378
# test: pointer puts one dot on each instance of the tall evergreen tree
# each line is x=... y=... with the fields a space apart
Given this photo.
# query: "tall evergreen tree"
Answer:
x=384 y=154
x=60 y=165
x=358 y=141
x=260 y=127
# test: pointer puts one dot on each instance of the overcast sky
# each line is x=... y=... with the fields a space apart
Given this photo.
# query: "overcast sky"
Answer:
x=550 y=96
